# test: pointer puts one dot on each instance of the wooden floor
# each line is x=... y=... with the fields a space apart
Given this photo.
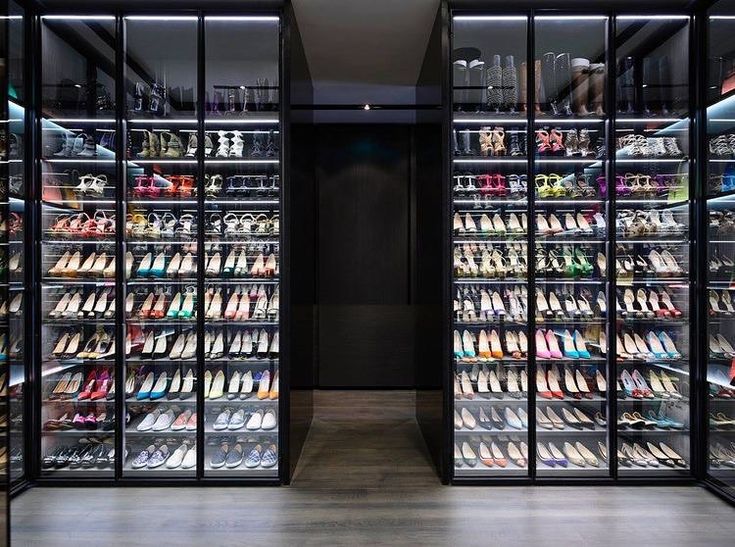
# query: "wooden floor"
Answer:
x=364 y=478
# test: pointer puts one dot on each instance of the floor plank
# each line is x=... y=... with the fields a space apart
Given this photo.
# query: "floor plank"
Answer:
x=365 y=478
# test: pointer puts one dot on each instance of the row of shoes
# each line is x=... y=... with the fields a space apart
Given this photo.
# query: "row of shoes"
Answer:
x=722 y=222
x=492 y=306
x=654 y=421
x=646 y=223
x=654 y=346
x=655 y=455
x=14 y=308
x=638 y=185
x=635 y=385
x=720 y=265
x=252 y=420
x=550 y=142
x=495 y=226
x=574 y=225
x=489 y=383
x=159 y=227
x=489 y=346
x=717 y=298
x=265 y=264
x=165 y=419
x=491 y=185
x=490 y=142
x=81 y=226
x=573 y=185
x=241 y=385
x=81 y=145
x=77 y=304
x=164 y=186
x=721 y=455
x=659 y=262
x=493 y=88
x=12 y=148
x=638 y=305
x=232 y=455
x=721 y=184
x=571 y=417
x=230 y=144
x=160 y=304
x=639 y=146
x=243 y=304
x=720 y=347
x=576 y=383
x=14 y=265
x=82 y=420
x=569 y=261
x=245 y=225
x=489 y=418
x=722 y=145
x=76 y=264
x=576 y=454
x=244 y=98
x=98 y=386
x=242 y=186
x=158 y=454
x=721 y=385
x=501 y=261
x=86 y=454
x=73 y=345
x=491 y=454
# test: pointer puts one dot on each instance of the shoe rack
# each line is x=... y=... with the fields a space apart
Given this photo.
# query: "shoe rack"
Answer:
x=570 y=195
x=160 y=248
x=718 y=268
x=13 y=293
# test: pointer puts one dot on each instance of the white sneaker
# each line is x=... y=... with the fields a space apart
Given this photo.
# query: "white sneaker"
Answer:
x=148 y=421
x=177 y=457
x=255 y=421
x=164 y=421
x=269 y=420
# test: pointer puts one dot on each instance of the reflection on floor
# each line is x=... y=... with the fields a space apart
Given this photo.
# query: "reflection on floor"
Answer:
x=365 y=478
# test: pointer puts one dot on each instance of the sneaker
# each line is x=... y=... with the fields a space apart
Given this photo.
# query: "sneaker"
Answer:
x=164 y=421
x=270 y=457
x=222 y=420
x=269 y=420
x=234 y=456
x=253 y=459
x=181 y=420
x=191 y=424
x=255 y=421
x=177 y=457
x=141 y=460
x=190 y=459
x=237 y=421
x=159 y=457
x=219 y=457
x=148 y=421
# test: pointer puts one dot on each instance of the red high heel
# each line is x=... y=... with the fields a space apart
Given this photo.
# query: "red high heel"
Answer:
x=172 y=189
x=61 y=225
x=186 y=186
x=499 y=188
x=103 y=385
x=88 y=386
x=485 y=186
x=153 y=190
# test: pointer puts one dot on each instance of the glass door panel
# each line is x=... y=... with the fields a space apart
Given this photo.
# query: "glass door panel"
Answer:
x=242 y=242
x=720 y=272
x=161 y=227
x=571 y=234
x=77 y=232
x=652 y=255
x=490 y=246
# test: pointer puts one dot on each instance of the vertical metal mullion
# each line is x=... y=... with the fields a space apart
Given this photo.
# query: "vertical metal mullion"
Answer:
x=531 y=235
x=284 y=313
x=447 y=194
x=610 y=104
x=200 y=247
x=120 y=206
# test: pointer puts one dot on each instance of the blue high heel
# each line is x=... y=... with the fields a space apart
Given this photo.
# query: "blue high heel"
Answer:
x=581 y=345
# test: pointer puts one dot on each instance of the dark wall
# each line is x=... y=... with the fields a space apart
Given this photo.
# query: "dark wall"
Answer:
x=365 y=323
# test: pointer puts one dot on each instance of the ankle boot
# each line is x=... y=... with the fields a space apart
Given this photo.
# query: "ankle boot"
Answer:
x=460 y=79
x=580 y=85
x=523 y=86
x=247 y=99
x=466 y=142
x=597 y=88
x=495 y=85
x=665 y=84
x=539 y=87
x=510 y=85
x=626 y=86
x=650 y=86
x=476 y=74
x=455 y=142
x=515 y=148
x=549 y=80
x=66 y=145
x=563 y=74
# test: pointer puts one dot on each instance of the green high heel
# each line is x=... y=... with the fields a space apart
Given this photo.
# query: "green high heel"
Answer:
x=585 y=267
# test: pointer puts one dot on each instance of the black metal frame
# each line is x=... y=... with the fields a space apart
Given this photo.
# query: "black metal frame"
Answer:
x=696 y=414
x=33 y=456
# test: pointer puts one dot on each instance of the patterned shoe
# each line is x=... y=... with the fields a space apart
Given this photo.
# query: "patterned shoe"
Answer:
x=159 y=457
x=141 y=460
x=253 y=459
x=270 y=457
x=222 y=420
x=237 y=421
x=220 y=456
x=234 y=456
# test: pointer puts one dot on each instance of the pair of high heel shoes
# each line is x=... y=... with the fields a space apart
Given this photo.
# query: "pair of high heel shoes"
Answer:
x=652 y=421
x=576 y=384
x=236 y=265
x=156 y=227
x=577 y=454
x=721 y=455
x=660 y=263
x=75 y=304
x=70 y=264
x=82 y=226
x=239 y=305
x=635 y=385
x=655 y=304
x=574 y=346
x=489 y=346
x=574 y=307
x=721 y=264
x=489 y=261
x=654 y=456
x=100 y=345
x=566 y=261
x=491 y=305
x=489 y=383
x=158 y=306
x=720 y=347
x=491 y=454
x=491 y=226
x=573 y=225
x=14 y=308
x=243 y=344
x=178 y=266
x=647 y=223
x=656 y=345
